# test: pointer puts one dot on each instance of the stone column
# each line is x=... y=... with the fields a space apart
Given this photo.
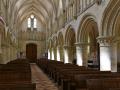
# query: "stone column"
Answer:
x=58 y=53
x=55 y=53
x=66 y=54
x=81 y=53
x=4 y=55
x=3 y=58
x=53 y=57
x=48 y=53
x=68 y=58
x=14 y=53
x=115 y=54
x=8 y=53
x=105 y=53
x=114 y=57
x=11 y=53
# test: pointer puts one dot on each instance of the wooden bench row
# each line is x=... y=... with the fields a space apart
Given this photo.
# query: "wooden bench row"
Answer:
x=20 y=86
x=73 y=77
x=16 y=75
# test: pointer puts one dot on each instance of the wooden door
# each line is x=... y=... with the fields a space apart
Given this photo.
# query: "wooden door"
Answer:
x=31 y=52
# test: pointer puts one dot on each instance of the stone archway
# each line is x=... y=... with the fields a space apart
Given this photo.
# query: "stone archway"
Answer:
x=50 y=50
x=69 y=48
x=116 y=45
x=3 y=49
x=60 y=44
x=31 y=52
x=87 y=46
x=55 y=47
x=111 y=35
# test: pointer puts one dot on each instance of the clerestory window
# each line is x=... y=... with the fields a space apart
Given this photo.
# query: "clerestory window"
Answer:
x=32 y=22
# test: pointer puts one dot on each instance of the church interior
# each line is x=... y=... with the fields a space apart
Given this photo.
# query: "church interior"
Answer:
x=59 y=45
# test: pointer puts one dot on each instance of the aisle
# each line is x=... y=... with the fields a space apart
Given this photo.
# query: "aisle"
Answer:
x=41 y=80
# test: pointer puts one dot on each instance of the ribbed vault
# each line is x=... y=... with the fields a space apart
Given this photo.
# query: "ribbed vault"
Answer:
x=44 y=10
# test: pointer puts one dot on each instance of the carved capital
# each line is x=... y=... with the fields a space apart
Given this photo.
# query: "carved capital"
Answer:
x=116 y=40
x=105 y=41
x=81 y=44
x=65 y=46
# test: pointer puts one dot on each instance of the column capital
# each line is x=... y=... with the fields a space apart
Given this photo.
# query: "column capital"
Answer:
x=82 y=44
x=59 y=46
x=65 y=45
x=105 y=41
x=116 y=39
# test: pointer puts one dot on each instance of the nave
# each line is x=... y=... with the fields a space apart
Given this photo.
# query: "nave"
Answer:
x=54 y=75
x=73 y=77
x=19 y=74
x=42 y=81
x=74 y=43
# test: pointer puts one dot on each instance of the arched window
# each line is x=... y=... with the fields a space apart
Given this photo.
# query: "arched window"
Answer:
x=29 y=23
x=32 y=22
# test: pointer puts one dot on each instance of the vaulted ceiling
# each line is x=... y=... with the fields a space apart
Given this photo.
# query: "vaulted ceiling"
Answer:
x=44 y=10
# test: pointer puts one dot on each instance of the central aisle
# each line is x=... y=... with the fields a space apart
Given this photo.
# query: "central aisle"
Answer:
x=41 y=80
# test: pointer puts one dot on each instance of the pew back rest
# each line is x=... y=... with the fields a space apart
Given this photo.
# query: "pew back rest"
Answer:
x=20 y=86
x=103 y=84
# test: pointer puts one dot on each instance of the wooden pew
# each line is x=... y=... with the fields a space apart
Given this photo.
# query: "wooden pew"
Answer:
x=18 y=86
x=71 y=77
x=80 y=80
x=114 y=89
x=15 y=71
x=16 y=75
x=103 y=84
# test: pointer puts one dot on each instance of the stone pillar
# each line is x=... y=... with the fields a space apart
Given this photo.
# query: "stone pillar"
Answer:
x=81 y=53
x=2 y=61
x=55 y=53
x=48 y=53
x=53 y=57
x=58 y=53
x=4 y=54
x=67 y=58
x=106 y=53
x=115 y=54
x=114 y=57
x=8 y=54
x=14 y=53
x=61 y=53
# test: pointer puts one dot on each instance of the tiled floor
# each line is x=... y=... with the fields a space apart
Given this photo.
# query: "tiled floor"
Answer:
x=41 y=80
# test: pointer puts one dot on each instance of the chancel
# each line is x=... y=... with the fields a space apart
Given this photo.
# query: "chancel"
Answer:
x=59 y=44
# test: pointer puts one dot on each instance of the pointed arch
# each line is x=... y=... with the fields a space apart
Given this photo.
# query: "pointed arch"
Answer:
x=70 y=36
x=82 y=33
x=60 y=39
x=110 y=16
